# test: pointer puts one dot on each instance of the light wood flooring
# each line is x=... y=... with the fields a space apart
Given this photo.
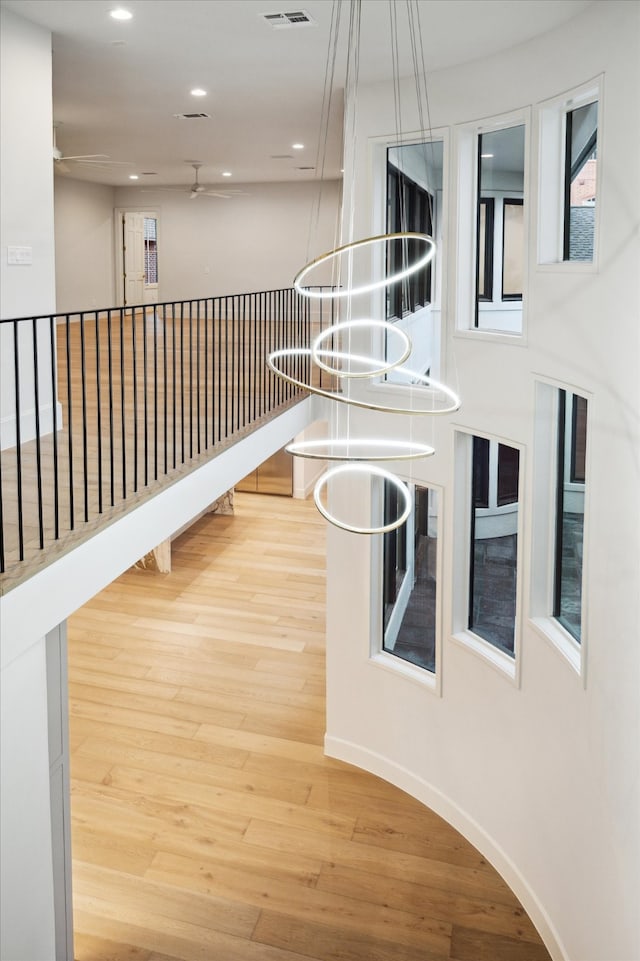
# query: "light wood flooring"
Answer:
x=207 y=823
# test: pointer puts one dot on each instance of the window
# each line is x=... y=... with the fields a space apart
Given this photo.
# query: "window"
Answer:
x=408 y=209
x=414 y=176
x=500 y=233
x=494 y=543
x=570 y=495
x=580 y=182
x=410 y=580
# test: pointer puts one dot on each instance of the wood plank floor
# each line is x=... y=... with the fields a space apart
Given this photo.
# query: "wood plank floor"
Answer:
x=207 y=823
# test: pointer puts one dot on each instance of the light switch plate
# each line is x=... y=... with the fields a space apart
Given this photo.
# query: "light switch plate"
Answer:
x=22 y=256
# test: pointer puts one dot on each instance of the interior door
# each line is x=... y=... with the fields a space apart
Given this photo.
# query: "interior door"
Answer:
x=133 y=257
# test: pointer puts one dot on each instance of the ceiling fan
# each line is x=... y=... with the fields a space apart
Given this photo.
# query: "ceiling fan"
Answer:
x=95 y=159
x=203 y=190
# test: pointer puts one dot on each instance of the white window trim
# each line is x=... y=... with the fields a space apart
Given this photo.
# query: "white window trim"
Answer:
x=551 y=161
x=466 y=143
x=509 y=667
x=379 y=658
x=543 y=539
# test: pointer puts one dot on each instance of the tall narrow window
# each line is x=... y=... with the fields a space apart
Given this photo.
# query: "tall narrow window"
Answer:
x=580 y=182
x=570 y=494
x=410 y=580
x=414 y=175
x=494 y=543
x=500 y=235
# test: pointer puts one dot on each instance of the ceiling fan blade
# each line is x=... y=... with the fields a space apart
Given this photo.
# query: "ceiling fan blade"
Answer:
x=88 y=156
x=194 y=194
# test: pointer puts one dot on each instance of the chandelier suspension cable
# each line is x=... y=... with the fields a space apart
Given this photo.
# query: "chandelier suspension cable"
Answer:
x=331 y=350
x=325 y=118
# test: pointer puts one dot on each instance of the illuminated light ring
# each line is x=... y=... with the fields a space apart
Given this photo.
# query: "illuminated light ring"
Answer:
x=421 y=381
x=404 y=450
x=372 y=471
x=316 y=353
x=335 y=293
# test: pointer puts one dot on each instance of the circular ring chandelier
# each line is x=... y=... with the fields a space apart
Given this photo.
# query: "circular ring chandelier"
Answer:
x=372 y=471
x=368 y=324
x=334 y=293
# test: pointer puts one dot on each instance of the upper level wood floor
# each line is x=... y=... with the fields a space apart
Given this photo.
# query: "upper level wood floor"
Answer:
x=207 y=823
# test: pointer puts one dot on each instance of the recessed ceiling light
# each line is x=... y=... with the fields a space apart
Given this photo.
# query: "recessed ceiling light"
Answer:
x=121 y=14
x=198 y=92
x=297 y=146
x=226 y=173
x=133 y=177
x=486 y=156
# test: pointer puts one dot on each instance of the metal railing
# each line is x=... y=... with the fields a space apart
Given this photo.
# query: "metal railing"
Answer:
x=100 y=407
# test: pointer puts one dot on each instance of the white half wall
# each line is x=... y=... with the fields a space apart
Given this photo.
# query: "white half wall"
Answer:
x=85 y=276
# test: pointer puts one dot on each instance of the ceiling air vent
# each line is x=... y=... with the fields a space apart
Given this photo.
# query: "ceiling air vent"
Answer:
x=296 y=18
x=192 y=116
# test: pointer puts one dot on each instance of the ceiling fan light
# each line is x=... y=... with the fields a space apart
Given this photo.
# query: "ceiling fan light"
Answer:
x=198 y=92
x=121 y=14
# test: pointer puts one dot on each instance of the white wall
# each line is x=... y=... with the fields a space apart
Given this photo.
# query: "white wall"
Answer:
x=541 y=770
x=258 y=241
x=84 y=244
x=26 y=213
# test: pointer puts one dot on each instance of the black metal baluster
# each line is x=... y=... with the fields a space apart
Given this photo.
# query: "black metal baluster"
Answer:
x=226 y=366
x=182 y=378
x=134 y=362
x=54 y=395
x=85 y=440
x=155 y=388
x=145 y=401
x=219 y=370
x=16 y=383
x=70 y=428
x=173 y=378
x=253 y=336
x=122 y=404
x=234 y=386
x=164 y=387
x=36 y=397
x=190 y=379
x=206 y=374
x=111 y=425
x=198 y=376
x=99 y=412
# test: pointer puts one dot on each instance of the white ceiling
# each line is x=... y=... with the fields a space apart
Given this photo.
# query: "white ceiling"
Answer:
x=117 y=85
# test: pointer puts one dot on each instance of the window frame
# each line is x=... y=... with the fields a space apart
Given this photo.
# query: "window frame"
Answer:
x=507 y=665
x=551 y=177
x=543 y=531
x=410 y=207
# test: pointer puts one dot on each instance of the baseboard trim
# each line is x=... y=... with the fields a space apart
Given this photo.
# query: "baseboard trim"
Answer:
x=434 y=799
